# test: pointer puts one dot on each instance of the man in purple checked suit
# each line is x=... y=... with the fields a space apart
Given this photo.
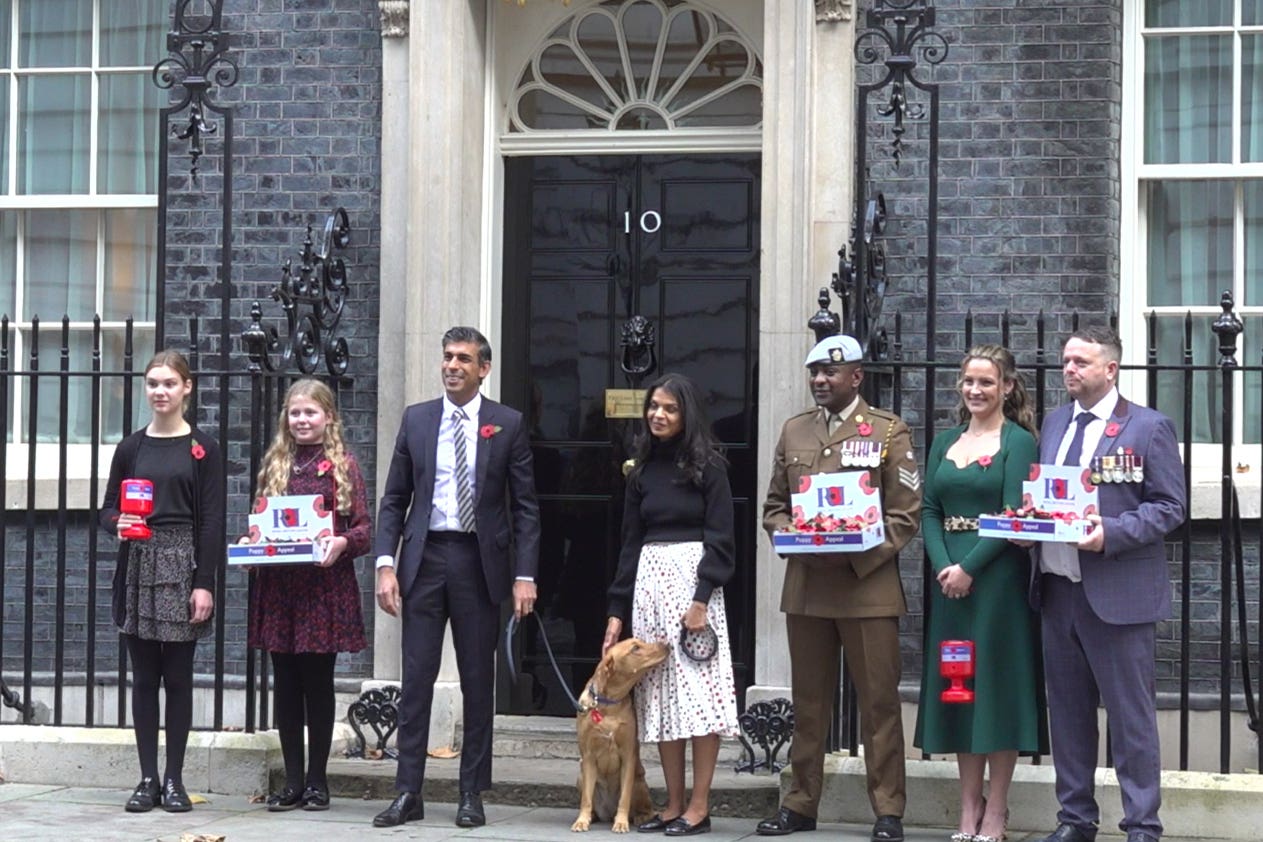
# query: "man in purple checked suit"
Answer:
x=457 y=534
x=1100 y=601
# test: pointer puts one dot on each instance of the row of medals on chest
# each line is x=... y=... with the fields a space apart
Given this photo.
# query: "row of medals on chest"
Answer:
x=861 y=452
x=1120 y=467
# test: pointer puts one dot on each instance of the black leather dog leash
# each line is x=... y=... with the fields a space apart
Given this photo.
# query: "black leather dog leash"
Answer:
x=509 y=628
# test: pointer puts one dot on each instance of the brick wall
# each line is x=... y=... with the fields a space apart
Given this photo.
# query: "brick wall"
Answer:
x=307 y=108
x=306 y=140
x=1029 y=216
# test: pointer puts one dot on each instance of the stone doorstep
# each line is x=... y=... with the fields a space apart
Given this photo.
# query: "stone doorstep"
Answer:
x=1195 y=804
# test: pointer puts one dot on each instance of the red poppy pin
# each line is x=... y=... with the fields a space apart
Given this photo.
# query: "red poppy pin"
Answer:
x=1111 y=429
x=323 y=467
x=1127 y=451
x=866 y=429
x=197 y=450
x=985 y=462
x=489 y=430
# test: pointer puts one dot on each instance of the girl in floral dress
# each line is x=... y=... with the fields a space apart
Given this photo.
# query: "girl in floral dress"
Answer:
x=304 y=615
x=677 y=554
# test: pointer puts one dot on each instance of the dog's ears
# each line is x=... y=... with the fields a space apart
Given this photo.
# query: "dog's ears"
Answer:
x=606 y=667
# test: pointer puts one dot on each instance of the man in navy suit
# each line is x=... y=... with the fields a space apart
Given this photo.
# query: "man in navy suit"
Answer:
x=1100 y=601
x=461 y=467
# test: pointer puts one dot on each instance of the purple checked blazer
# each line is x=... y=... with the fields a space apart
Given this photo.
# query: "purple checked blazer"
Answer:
x=1128 y=582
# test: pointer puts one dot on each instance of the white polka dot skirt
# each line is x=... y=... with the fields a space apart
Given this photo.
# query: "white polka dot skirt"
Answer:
x=680 y=697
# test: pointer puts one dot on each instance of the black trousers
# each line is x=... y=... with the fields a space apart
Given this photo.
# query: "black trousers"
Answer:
x=449 y=585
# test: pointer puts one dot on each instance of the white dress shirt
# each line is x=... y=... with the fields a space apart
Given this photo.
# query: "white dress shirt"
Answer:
x=445 y=511
x=445 y=515
x=1063 y=559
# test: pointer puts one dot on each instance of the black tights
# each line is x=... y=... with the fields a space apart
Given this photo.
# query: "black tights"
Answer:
x=169 y=665
x=303 y=693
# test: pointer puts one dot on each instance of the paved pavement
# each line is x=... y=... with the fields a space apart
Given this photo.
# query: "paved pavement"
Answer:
x=68 y=814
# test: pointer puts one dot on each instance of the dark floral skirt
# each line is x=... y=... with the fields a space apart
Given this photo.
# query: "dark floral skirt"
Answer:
x=159 y=584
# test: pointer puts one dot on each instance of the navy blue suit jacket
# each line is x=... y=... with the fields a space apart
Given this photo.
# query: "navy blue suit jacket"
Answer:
x=505 y=509
x=1128 y=582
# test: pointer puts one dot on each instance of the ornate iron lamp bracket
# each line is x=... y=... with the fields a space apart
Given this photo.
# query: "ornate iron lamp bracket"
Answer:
x=319 y=283
x=897 y=48
x=205 y=64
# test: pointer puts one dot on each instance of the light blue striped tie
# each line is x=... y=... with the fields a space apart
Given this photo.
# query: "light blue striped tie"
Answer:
x=464 y=490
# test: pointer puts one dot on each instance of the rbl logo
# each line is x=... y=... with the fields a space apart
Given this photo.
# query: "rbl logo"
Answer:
x=1057 y=489
x=287 y=518
x=830 y=496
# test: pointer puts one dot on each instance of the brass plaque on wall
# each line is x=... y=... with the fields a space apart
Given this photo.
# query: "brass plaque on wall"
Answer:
x=624 y=403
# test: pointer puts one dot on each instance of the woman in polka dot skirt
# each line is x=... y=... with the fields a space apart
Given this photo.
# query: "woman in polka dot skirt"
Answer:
x=677 y=554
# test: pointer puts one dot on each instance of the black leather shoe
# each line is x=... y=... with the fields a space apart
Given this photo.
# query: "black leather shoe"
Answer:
x=1069 y=833
x=146 y=796
x=681 y=827
x=655 y=825
x=888 y=829
x=470 y=813
x=287 y=799
x=406 y=807
x=315 y=798
x=785 y=822
x=174 y=798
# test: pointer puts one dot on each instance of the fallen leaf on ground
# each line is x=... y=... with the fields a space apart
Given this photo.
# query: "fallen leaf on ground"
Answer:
x=198 y=799
x=444 y=753
x=374 y=754
x=257 y=798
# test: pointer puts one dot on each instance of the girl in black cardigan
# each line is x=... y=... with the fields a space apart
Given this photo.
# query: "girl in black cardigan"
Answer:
x=163 y=586
x=677 y=554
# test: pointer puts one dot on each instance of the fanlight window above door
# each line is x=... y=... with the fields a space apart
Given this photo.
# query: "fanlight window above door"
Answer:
x=637 y=65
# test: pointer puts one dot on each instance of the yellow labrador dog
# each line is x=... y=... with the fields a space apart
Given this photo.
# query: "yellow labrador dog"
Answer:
x=611 y=777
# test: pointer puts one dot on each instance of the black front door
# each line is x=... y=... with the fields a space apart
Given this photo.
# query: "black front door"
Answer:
x=590 y=243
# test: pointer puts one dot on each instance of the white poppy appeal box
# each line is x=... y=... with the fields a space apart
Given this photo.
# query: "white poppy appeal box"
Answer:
x=833 y=513
x=1056 y=501
x=284 y=529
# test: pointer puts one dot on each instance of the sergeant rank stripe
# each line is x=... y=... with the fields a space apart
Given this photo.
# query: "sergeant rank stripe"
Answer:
x=910 y=478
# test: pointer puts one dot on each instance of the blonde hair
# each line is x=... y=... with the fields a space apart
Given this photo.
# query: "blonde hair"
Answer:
x=1017 y=403
x=278 y=462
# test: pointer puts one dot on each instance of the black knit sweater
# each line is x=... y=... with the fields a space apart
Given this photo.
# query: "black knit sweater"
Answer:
x=663 y=504
x=187 y=474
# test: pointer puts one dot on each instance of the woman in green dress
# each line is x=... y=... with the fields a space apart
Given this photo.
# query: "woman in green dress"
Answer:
x=978 y=468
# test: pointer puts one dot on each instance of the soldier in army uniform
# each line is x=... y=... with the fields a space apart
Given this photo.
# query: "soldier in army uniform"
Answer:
x=845 y=601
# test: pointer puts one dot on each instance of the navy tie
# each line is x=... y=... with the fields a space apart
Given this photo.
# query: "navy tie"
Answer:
x=1074 y=453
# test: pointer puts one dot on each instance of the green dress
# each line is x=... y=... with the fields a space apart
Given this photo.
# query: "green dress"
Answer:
x=1008 y=711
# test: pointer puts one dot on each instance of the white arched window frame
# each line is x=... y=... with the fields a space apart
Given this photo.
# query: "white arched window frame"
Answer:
x=639 y=89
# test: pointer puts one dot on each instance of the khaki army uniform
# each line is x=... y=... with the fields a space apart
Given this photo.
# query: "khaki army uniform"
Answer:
x=848 y=602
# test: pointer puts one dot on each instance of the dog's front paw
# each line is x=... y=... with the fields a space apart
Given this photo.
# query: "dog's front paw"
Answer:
x=581 y=824
x=621 y=824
